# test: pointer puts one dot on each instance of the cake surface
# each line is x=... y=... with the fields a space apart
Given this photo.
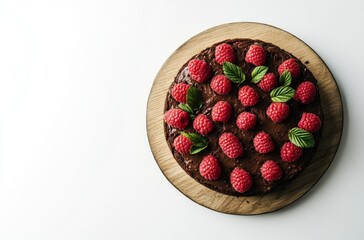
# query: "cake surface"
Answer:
x=250 y=160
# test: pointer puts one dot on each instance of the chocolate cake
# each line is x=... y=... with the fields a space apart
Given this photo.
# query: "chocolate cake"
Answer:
x=243 y=117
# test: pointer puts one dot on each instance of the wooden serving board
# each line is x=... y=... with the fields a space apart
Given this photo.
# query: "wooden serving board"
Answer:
x=330 y=100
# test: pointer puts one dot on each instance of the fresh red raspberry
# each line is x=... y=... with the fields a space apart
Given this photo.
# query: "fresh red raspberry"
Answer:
x=179 y=92
x=248 y=96
x=278 y=111
x=309 y=122
x=230 y=145
x=305 y=92
x=220 y=84
x=182 y=144
x=268 y=82
x=202 y=124
x=199 y=70
x=210 y=168
x=292 y=66
x=224 y=53
x=271 y=171
x=246 y=121
x=176 y=118
x=255 y=55
x=221 y=111
x=263 y=143
x=241 y=180
x=290 y=152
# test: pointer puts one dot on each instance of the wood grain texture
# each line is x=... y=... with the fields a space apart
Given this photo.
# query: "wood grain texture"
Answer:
x=330 y=100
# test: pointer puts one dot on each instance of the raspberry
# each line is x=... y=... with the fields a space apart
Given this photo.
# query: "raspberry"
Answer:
x=176 y=118
x=220 y=84
x=309 y=122
x=278 y=111
x=305 y=92
x=210 y=168
x=202 y=124
x=268 y=82
x=230 y=145
x=255 y=55
x=224 y=53
x=240 y=180
x=182 y=144
x=221 y=111
x=199 y=70
x=248 y=96
x=263 y=143
x=179 y=92
x=292 y=66
x=271 y=171
x=290 y=152
x=246 y=121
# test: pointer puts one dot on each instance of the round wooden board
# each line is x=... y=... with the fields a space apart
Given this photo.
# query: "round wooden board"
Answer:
x=330 y=100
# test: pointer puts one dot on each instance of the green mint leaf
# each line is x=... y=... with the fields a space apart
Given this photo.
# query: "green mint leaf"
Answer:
x=192 y=116
x=194 y=102
x=199 y=143
x=258 y=73
x=282 y=94
x=286 y=78
x=233 y=72
x=185 y=107
x=194 y=98
x=195 y=149
x=195 y=138
x=301 y=138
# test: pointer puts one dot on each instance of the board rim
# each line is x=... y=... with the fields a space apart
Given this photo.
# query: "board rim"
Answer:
x=332 y=154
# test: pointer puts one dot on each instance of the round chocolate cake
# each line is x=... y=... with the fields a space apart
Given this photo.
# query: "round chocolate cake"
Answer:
x=243 y=117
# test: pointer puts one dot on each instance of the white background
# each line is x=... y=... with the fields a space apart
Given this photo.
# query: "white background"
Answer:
x=75 y=162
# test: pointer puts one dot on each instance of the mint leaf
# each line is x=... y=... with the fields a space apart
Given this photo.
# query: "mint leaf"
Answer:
x=185 y=107
x=194 y=102
x=282 y=94
x=258 y=73
x=195 y=138
x=233 y=72
x=199 y=143
x=286 y=78
x=301 y=138
x=195 y=150
x=194 y=98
